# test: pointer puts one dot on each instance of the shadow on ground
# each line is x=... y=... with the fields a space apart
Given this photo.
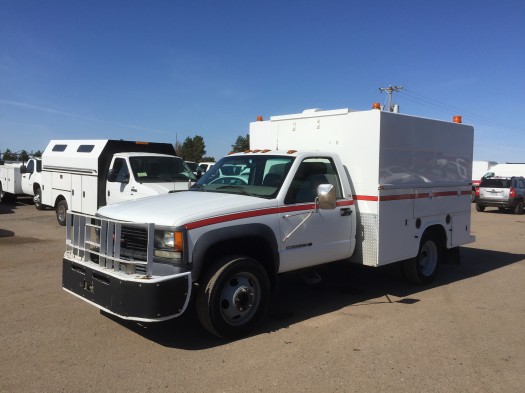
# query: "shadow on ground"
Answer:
x=342 y=285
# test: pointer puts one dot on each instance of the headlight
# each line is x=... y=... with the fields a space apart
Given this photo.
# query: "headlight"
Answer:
x=168 y=244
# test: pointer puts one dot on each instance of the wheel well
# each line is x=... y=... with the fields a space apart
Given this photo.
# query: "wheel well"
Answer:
x=440 y=232
x=249 y=246
x=59 y=198
x=36 y=186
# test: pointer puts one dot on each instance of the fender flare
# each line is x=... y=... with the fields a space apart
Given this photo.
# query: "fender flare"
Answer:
x=215 y=236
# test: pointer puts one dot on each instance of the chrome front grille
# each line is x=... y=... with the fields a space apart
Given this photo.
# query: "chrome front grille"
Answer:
x=112 y=244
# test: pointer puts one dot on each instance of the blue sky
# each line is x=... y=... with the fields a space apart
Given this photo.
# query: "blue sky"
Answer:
x=162 y=70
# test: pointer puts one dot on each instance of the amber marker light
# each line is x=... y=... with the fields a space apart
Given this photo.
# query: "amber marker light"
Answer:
x=456 y=119
x=177 y=241
x=376 y=105
x=259 y=118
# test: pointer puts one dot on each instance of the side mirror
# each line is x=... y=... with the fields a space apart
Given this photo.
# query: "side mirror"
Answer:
x=23 y=169
x=199 y=173
x=326 y=197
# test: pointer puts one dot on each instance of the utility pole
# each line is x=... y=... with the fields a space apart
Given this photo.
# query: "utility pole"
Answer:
x=390 y=89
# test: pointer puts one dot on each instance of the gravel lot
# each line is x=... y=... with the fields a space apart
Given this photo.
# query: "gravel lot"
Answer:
x=361 y=330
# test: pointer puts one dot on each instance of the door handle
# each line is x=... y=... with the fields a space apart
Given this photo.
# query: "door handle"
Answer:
x=133 y=190
x=346 y=211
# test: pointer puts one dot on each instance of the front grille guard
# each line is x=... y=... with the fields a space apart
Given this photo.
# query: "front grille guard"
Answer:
x=98 y=240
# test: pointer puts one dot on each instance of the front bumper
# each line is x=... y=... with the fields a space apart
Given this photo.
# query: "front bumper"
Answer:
x=147 y=299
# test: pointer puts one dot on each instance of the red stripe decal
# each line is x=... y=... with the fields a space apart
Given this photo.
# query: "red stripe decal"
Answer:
x=257 y=213
x=399 y=197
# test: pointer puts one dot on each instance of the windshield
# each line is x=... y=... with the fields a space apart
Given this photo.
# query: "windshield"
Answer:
x=152 y=169
x=261 y=176
x=193 y=166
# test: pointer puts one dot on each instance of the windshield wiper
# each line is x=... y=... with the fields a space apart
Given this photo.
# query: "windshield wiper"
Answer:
x=236 y=188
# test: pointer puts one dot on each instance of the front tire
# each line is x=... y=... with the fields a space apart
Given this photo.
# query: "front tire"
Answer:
x=62 y=212
x=423 y=268
x=38 y=200
x=234 y=298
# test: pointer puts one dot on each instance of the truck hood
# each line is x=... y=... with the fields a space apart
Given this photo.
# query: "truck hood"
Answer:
x=183 y=207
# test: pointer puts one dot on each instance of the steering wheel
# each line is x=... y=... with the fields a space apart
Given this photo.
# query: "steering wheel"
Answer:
x=230 y=180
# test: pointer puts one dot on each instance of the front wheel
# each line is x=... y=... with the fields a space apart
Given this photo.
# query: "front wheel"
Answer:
x=424 y=267
x=234 y=298
x=62 y=212
x=38 y=200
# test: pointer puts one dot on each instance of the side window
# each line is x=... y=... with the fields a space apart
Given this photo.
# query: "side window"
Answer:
x=311 y=173
x=120 y=168
x=521 y=184
x=30 y=166
x=59 y=147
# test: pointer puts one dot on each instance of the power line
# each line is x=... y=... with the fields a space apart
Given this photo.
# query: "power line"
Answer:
x=446 y=108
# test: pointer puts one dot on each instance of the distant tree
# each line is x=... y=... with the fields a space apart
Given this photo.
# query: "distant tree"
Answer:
x=9 y=156
x=23 y=156
x=192 y=149
x=241 y=144
x=38 y=153
x=207 y=159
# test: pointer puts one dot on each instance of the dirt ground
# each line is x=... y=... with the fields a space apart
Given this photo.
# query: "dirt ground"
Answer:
x=361 y=330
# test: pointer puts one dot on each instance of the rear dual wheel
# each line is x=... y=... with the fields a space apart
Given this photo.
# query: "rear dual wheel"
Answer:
x=424 y=267
x=234 y=297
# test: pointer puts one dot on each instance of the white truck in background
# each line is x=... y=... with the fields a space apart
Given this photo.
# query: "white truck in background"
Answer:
x=22 y=179
x=506 y=170
x=83 y=175
x=367 y=187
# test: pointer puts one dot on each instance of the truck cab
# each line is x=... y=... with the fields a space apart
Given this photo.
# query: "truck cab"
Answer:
x=32 y=180
x=138 y=175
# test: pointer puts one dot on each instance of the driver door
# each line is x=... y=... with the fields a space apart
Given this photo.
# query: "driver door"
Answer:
x=311 y=237
x=118 y=187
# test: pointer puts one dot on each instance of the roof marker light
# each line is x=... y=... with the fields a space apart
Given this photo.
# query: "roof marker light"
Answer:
x=259 y=118
x=291 y=151
x=376 y=105
x=456 y=119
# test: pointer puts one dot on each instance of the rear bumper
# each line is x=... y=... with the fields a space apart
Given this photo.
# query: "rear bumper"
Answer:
x=506 y=203
x=144 y=299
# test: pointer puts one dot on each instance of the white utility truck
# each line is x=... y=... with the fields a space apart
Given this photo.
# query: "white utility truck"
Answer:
x=21 y=179
x=506 y=170
x=83 y=175
x=369 y=187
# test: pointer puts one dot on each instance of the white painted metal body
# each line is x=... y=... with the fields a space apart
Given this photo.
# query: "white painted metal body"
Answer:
x=11 y=178
x=401 y=169
x=480 y=168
